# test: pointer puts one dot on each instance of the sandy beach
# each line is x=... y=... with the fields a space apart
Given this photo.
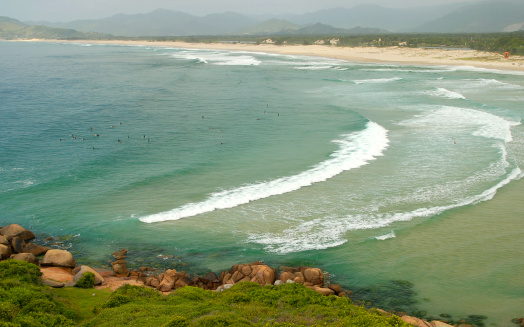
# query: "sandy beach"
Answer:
x=394 y=55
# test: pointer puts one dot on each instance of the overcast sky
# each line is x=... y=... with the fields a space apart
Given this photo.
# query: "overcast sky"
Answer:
x=68 y=10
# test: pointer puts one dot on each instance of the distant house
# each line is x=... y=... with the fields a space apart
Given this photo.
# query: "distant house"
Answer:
x=402 y=44
x=268 y=41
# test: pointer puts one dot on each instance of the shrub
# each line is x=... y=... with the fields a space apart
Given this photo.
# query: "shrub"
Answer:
x=116 y=300
x=7 y=311
x=86 y=281
x=177 y=321
x=20 y=270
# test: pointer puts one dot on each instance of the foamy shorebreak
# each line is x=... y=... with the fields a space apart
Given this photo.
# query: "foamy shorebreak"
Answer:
x=398 y=55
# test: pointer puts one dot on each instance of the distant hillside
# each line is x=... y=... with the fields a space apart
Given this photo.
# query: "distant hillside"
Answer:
x=368 y=15
x=163 y=22
x=13 y=29
x=272 y=26
x=327 y=30
x=483 y=17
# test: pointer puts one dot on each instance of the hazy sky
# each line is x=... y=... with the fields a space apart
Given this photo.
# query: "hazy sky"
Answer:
x=68 y=10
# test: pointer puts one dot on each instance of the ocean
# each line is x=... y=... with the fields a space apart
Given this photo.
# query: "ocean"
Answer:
x=403 y=182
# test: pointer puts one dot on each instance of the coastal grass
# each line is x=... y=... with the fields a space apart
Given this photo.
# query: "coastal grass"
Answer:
x=245 y=304
x=82 y=301
x=25 y=302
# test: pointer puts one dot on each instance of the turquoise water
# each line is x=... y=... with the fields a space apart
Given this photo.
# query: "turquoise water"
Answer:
x=372 y=172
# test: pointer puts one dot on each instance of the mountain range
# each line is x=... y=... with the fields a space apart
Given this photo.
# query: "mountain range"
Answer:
x=463 y=17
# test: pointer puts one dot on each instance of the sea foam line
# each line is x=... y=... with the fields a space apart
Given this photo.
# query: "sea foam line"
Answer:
x=355 y=150
x=323 y=233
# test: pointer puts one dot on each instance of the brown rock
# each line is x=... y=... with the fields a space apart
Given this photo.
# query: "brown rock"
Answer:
x=436 y=323
x=324 y=291
x=264 y=275
x=299 y=280
x=28 y=257
x=16 y=230
x=119 y=255
x=58 y=258
x=17 y=244
x=285 y=276
x=237 y=276
x=60 y=274
x=53 y=283
x=3 y=240
x=335 y=287
x=222 y=275
x=172 y=273
x=343 y=294
x=182 y=282
x=166 y=284
x=246 y=270
x=314 y=276
x=120 y=268
x=211 y=276
x=415 y=321
x=154 y=283
x=35 y=249
x=5 y=251
x=98 y=279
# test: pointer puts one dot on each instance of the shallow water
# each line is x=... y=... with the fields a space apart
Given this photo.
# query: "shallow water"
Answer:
x=372 y=172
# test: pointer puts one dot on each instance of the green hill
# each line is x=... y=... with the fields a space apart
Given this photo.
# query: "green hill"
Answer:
x=478 y=18
x=11 y=29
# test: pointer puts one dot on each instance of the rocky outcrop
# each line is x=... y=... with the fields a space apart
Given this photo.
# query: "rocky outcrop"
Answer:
x=35 y=249
x=255 y=272
x=28 y=257
x=58 y=258
x=81 y=270
x=13 y=230
x=120 y=268
x=5 y=251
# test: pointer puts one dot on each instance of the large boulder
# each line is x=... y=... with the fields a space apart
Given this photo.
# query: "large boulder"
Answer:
x=3 y=240
x=35 y=249
x=324 y=291
x=166 y=284
x=314 y=276
x=183 y=282
x=83 y=269
x=58 y=258
x=119 y=255
x=5 y=251
x=17 y=244
x=263 y=275
x=120 y=268
x=415 y=321
x=28 y=257
x=436 y=323
x=13 y=230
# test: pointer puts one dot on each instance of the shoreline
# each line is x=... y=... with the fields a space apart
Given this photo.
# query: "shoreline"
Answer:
x=391 y=55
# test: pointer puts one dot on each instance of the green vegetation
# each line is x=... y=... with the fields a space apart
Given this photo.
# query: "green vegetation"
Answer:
x=86 y=281
x=24 y=302
x=494 y=42
x=245 y=304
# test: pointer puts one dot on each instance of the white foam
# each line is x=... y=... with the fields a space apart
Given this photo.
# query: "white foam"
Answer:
x=224 y=58
x=314 y=67
x=377 y=80
x=326 y=232
x=445 y=93
x=483 y=82
x=386 y=236
x=480 y=122
x=406 y=70
x=355 y=150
